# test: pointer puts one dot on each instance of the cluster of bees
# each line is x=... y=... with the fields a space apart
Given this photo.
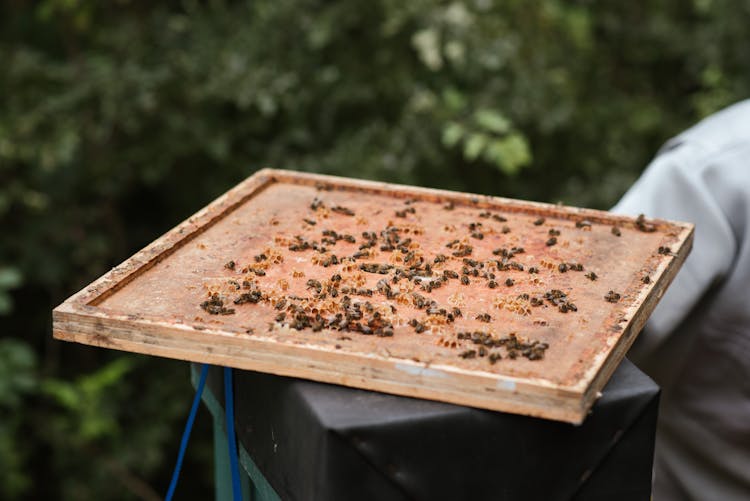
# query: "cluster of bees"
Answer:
x=488 y=346
x=336 y=304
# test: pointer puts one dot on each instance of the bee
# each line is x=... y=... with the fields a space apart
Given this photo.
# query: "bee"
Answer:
x=585 y=223
x=385 y=332
x=591 y=276
x=314 y=284
x=419 y=300
x=553 y=232
x=494 y=357
x=616 y=231
x=298 y=247
x=491 y=284
x=280 y=304
x=215 y=306
x=509 y=282
x=505 y=229
x=383 y=287
x=534 y=355
x=644 y=226
x=484 y=317
x=440 y=258
x=533 y=269
x=457 y=312
x=449 y=206
x=468 y=354
x=539 y=221
x=612 y=297
x=342 y=210
x=316 y=204
x=463 y=250
x=485 y=214
x=498 y=218
x=229 y=265
x=551 y=241
x=465 y=279
x=280 y=317
x=562 y=267
x=450 y=274
x=310 y=222
x=482 y=351
x=646 y=279
x=665 y=251
x=478 y=235
x=249 y=297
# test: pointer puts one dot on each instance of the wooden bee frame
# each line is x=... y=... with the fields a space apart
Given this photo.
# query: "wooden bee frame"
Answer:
x=158 y=301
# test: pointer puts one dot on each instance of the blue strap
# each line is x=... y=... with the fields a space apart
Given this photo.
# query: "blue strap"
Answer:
x=186 y=433
x=229 y=412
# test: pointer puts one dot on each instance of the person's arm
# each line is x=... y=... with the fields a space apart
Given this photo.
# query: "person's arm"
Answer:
x=683 y=185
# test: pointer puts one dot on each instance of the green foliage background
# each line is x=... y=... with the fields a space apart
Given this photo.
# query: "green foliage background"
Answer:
x=118 y=120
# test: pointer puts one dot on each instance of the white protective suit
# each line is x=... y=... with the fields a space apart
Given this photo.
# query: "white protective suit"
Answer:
x=697 y=343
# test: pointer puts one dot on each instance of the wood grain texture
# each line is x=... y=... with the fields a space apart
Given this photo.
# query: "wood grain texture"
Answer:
x=151 y=303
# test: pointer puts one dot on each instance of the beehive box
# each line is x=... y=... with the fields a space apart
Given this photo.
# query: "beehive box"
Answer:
x=483 y=301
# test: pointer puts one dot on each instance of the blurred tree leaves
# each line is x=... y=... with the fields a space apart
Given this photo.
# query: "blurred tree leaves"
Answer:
x=10 y=278
x=84 y=399
x=17 y=372
x=487 y=135
x=18 y=380
x=119 y=120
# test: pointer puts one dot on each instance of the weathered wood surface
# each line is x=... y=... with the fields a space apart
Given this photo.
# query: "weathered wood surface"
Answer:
x=152 y=302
